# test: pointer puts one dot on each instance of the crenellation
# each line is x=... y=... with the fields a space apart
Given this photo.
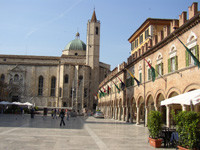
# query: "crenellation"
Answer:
x=193 y=10
x=182 y=18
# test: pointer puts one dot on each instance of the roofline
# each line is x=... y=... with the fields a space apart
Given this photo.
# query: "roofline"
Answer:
x=30 y=57
x=148 y=20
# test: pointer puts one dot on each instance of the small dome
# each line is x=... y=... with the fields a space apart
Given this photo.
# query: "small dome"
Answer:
x=76 y=44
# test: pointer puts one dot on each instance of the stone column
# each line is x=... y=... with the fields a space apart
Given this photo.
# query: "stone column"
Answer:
x=123 y=113
x=116 y=117
x=138 y=116
x=156 y=108
x=131 y=112
x=127 y=111
x=168 y=115
x=183 y=107
x=146 y=115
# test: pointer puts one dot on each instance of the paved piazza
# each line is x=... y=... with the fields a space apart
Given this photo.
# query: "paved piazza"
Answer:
x=24 y=133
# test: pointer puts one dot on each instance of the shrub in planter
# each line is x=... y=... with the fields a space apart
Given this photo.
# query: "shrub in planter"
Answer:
x=155 y=126
x=188 y=128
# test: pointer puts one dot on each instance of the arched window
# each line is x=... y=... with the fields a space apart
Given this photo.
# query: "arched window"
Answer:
x=66 y=78
x=97 y=30
x=2 y=77
x=40 y=86
x=16 y=78
x=173 y=60
x=53 y=86
x=193 y=47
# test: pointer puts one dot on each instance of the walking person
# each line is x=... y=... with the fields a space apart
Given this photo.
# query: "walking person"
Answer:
x=62 y=115
x=55 y=111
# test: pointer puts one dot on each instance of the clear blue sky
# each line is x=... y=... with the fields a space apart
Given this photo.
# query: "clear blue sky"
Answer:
x=44 y=27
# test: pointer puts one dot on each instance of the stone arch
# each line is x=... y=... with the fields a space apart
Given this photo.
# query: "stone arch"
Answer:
x=150 y=102
x=172 y=90
x=160 y=91
x=190 y=87
x=147 y=97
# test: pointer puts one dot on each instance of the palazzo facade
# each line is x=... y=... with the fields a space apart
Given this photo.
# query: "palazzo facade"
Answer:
x=155 y=41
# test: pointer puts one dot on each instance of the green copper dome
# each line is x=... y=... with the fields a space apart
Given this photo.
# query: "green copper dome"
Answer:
x=76 y=44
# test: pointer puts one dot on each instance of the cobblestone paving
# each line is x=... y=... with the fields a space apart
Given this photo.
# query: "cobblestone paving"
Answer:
x=23 y=133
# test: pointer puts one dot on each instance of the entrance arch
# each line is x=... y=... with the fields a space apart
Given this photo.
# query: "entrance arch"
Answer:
x=162 y=109
x=140 y=110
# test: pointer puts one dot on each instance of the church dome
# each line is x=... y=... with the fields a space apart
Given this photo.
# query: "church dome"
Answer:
x=76 y=44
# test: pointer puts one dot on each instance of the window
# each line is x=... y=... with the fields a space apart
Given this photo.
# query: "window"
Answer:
x=172 y=64
x=97 y=30
x=53 y=86
x=136 y=43
x=66 y=78
x=146 y=33
x=140 y=76
x=189 y=59
x=149 y=74
x=132 y=45
x=2 y=77
x=16 y=78
x=40 y=86
x=159 y=69
x=141 y=38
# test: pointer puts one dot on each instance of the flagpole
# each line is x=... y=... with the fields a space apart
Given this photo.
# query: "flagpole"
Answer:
x=157 y=72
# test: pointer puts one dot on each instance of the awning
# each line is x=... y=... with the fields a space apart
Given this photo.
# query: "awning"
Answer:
x=184 y=99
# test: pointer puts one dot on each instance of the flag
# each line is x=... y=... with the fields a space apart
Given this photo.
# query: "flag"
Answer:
x=138 y=82
x=196 y=61
x=116 y=86
x=101 y=91
x=108 y=89
x=104 y=90
x=122 y=84
x=153 y=74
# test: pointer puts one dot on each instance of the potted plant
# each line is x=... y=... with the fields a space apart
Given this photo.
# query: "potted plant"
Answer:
x=188 y=128
x=155 y=126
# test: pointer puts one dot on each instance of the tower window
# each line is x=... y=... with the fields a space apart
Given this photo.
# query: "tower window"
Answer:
x=97 y=30
x=66 y=78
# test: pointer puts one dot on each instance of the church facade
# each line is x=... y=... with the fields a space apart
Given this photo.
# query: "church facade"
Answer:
x=68 y=81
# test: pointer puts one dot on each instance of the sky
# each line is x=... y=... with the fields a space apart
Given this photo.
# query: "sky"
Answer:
x=45 y=27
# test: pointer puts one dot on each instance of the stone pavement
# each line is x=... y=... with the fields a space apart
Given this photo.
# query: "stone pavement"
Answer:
x=23 y=133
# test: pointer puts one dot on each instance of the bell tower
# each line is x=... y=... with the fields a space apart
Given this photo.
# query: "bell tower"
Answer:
x=92 y=54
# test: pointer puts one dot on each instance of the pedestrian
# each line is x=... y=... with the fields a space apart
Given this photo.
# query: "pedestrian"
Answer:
x=32 y=112
x=55 y=111
x=62 y=115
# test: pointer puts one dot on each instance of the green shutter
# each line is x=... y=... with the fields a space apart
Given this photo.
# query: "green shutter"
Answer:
x=197 y=51
x=169 y=65
x=140 y=77
x=161 y=68
x=156 y=70
x=187 y=58
x=176 y=62
x=132 y=81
